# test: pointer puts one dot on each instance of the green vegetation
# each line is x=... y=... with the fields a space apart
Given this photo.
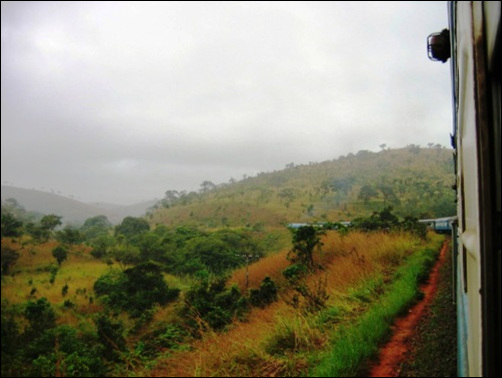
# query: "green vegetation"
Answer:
x=210 y=305
x=305 y=240
x=265 y=295
x=215 y=276
x=415 y=181
x=11 y=226
x=136 y=289
x=60 y=253
x=358 y=341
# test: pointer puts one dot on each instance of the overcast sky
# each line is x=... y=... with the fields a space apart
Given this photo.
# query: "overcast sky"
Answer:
x=119 y=102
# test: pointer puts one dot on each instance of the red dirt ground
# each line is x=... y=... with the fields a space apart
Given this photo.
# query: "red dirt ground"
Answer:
x=394 y=352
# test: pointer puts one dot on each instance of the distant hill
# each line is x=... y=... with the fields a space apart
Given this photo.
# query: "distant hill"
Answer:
x=72 y=211
x=414 y=181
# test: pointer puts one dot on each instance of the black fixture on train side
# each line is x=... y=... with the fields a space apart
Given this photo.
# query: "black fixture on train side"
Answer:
x=438 y=46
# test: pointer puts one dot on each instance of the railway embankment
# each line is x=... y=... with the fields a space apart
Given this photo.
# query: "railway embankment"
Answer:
x=423 y=342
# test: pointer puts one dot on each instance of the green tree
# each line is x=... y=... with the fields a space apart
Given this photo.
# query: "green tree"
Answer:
x=207 y=186
x=212 y=302
x=70 y=235
x=136 y=289
x=131 y=227
x=50 y=222
x=96 y=226
x=388 y=194
x=10 y=225
x=37 y=232
x=343 y=185
x=305 y=240
x=64 y=351
x=111 y=335
x=213 y=253
x=367 y=192
x=151 y=247
x=9 y=258
x=125 y=255
x=266 y=294
x=11 y=342
x=60 y=253
x=102 y=245
x=40 y=316
x=171 y=197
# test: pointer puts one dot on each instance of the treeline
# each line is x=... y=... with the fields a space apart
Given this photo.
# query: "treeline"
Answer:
x=122 y=333
x=180 y=250
x=129 y=294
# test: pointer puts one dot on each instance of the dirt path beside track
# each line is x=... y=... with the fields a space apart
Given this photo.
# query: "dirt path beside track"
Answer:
x=395 y=351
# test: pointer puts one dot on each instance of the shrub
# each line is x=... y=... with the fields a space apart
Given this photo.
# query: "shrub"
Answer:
x=266 y=294
x=63 y=351
x=40 y=316
x=305 y=240
x=295 y=272
x=9 y=258
x=169 y=336
x=210 y=304
x=136 y=289
x=111 y=336
x=64 y=290
x=60 y=253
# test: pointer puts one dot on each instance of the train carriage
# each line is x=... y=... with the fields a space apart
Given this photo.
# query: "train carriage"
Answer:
x=473 y=45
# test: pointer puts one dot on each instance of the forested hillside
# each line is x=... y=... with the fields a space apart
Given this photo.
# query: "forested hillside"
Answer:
x=215 y=277
x=414 y=181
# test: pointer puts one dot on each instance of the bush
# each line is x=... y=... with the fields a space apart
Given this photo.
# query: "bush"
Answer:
x=305 y=240
x=111 y=336
x=9 y=258
x=295 y=272
x=40 y=316
x=11 y=342
x=170 y=336
x=63 y=351
x=266 y=294
x=60 y=253
x=210 y=304
x=136 y=289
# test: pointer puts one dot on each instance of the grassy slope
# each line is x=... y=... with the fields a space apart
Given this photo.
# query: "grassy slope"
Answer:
x=30 y=279
x=277 y=340
x=420 y=179
x=284 y=341
x=360 y=340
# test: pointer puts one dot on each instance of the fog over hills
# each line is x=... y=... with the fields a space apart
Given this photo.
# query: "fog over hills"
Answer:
x=72 y=211
x=414 y=181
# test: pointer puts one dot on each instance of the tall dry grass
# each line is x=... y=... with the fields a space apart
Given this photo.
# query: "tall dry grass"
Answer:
x=271 y=266
x=247 y=348
x=345 y=259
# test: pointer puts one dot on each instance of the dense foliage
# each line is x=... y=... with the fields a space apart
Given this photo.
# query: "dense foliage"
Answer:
x=385 y=220
x=210 y=305
x=136 y=289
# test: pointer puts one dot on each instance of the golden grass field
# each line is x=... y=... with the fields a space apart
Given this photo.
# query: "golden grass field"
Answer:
x=243 y=350
x=350 y=265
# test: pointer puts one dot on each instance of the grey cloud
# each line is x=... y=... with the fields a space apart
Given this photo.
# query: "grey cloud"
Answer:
x=98 y=97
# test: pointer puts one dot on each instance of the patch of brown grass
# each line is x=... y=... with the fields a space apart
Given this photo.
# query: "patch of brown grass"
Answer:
x=242 y=351
x=271 y=266
x=236 y=352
